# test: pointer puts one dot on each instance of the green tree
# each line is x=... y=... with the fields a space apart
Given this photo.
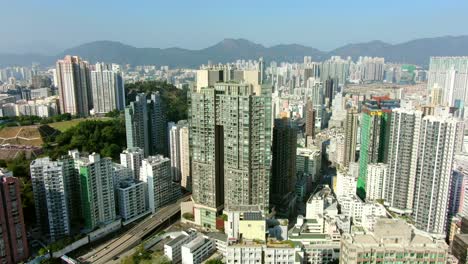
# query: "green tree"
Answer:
x=174 y=99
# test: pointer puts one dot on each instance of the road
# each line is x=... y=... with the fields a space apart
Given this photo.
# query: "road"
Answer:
x=114 y=247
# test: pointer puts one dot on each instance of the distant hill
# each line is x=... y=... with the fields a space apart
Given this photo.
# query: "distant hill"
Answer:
x=416 y=52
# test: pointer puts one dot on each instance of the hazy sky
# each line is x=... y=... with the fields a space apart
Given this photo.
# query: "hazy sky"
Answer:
x=49 y=26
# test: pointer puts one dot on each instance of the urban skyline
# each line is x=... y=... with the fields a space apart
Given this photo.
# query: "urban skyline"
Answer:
x=240 y=152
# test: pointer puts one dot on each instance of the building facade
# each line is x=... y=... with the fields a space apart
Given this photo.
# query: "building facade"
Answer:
x=156 y=173
x=74 y=86
x=13 y=241
x=107 y=89
x=230 y=140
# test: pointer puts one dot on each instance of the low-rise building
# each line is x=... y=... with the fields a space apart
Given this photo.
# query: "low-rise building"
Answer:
x=173 y=249
x=197 y=250
x=392 y=241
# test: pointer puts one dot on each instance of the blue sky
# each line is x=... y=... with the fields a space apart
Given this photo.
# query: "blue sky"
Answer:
x=49 y=26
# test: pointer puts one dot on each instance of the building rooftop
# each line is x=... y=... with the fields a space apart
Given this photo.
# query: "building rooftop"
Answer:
x=176 y=240
x=394 y=233
x=253 y=216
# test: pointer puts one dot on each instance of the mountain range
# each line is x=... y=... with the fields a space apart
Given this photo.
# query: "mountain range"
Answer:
x=416 y=51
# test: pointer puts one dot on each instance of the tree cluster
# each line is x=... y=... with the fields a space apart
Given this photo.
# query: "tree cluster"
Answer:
x=104 y=137
x=174 y=99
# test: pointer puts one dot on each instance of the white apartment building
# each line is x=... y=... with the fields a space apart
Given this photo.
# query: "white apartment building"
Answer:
x=156 y=173
x=50 y=191
x=131 y=158
x=131 y=196
x=375 y=181
x=173 y=249
x=197 y=250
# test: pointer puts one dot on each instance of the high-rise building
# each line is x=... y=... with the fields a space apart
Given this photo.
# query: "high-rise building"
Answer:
x=131 y=199
x=390 y=240
x=184 y=148
x=131 y=158
x=283 y=180
x=329 y=92
x=178 y=146
x=450 y=75
x=351 y=128
x=310 y=115
x=405 y=126
x=157 y=125
x=230 y=139
x=375 y=122
x=156 y=172
x=460 y=168
x=145 y=125
x=375 y=182
x=438 y=141
x=97 y=191
x=13 y=240
x=335 y=68
x=49 y=183
x=74 y=86
x=107 y=89
x=136 y=124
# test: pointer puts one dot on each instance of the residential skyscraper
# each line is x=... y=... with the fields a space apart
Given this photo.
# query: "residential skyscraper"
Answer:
x=145 y=125
x=13 y=240
x=157 y=126
x=230 y=139
x=74 y=86
x=329 y=91
x=375 y=121
x=283 y=180
x=131 y=158
x=351 y=128
x=184 y=148
x=450 y=75
x=49 y=185
x=136 y=124
x=375 y=182
x=405 y=129
x=310 y=115
x=156 y=172
x=97 y=191
x=107 y=89
x=176 y=149
x=438 y=142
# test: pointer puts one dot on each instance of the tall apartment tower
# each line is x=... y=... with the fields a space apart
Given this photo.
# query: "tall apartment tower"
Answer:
x=405 y=128
x=184 y=148
x=310 y=115
x=13 y=240
x=74 y=86
x=131 y=158
x=49 y=182
x=450 y=76
x=440 y=137
x=329 y=91
x=351 y=128
x=136 y=124
x=230 y=140
x=375 y=121
x=97 y=191
x=177 y=139
x=145 y=125
x=156 y=172
x=157 y=126
x=283 y=180
x=107 y=89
